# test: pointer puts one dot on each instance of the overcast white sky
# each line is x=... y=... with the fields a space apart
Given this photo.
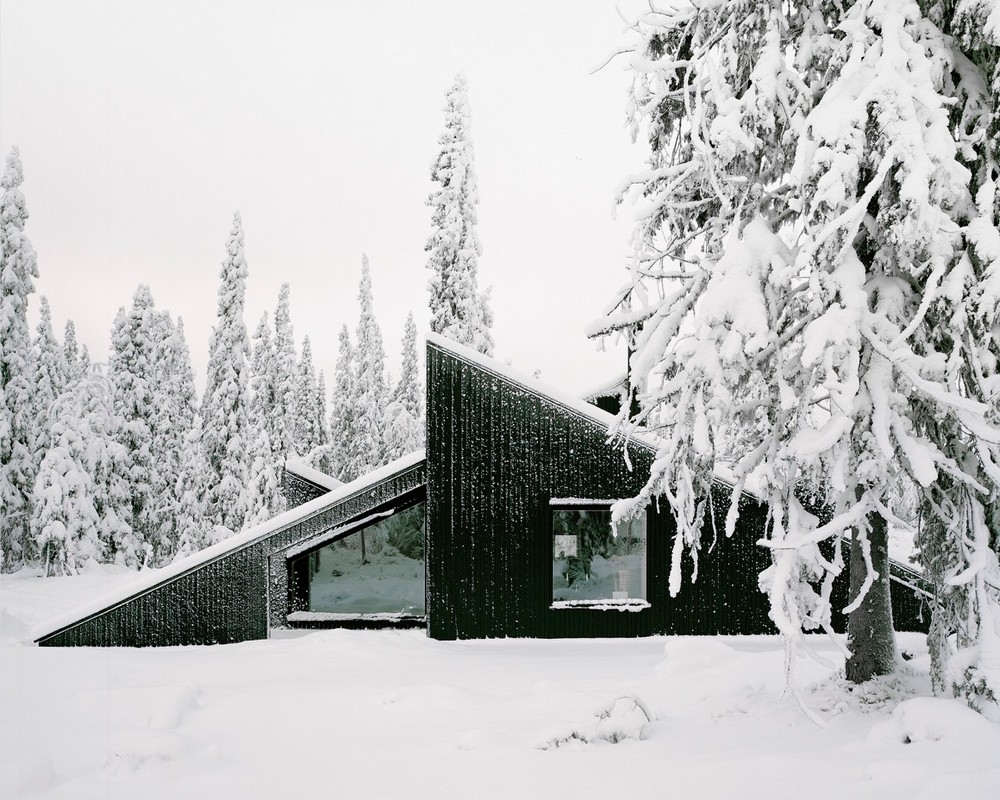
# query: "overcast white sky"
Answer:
x=143 y=126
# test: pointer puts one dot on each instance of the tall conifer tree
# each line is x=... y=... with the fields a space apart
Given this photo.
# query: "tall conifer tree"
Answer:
x=137 y=399
x=369 y=395
x=282 y=430
x=307 y=433
x=71 y=355
x=458 y=310
x=816 y=270
x=404 y=425
x=264 y=498
x=225 y=408
x=342 y=411
x=66 y=525
x=49 y=378
x=17 y=465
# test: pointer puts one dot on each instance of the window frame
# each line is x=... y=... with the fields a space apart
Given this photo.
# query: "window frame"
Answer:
x=557 y=504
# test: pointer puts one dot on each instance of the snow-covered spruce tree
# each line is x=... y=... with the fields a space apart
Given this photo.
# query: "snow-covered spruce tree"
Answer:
x=458 y=310
x=404 y=416
x=225 y=408
x=368 y=399
x=282 y=428
x=66 y=524
x=172 y=422
x=107 y=461
x=49 y=378
x=17 y=466
x=804 y=232
x=307 y=434
x=322 y=422
x=336 y=461
x=137 y=400
x=264 y=498
x=71 y=355
x=194 y=530
x=85 y=365
x=959 y=556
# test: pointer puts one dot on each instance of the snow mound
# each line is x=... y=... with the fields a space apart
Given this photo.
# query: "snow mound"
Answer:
x=134 y=749
x=934 y=719
x=13 y=629
x=623 y=719
x=26 y=775
x=172 y=703
x=694 y=655
x=836 y=695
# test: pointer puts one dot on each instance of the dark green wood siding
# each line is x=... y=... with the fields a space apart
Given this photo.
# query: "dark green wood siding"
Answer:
x=297 y=490
x=497 y=454
x=226 y=599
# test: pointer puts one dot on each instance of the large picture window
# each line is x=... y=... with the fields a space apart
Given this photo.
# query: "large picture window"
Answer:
x=595 y=563
x=378 y=569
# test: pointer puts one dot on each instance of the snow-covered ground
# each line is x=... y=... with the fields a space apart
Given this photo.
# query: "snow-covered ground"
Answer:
x=392 y=714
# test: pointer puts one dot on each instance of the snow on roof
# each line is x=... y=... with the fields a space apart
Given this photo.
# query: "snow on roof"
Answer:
x=612 y=388
x=539 y=388
x=306 y=472
x=150 y=578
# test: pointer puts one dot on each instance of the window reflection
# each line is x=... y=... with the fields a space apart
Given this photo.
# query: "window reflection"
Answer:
x=376 y=570
x=590 y=561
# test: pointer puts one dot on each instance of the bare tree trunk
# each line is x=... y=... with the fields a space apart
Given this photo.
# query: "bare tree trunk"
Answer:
x=870 y=635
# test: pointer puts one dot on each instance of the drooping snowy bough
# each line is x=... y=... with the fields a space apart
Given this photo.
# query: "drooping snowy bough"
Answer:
x=813 y=298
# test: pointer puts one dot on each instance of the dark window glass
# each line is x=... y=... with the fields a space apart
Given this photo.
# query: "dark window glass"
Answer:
x=593 y=561
x=376 y=570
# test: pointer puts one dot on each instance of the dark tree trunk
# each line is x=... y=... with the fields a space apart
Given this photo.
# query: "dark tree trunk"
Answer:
x=870 y=635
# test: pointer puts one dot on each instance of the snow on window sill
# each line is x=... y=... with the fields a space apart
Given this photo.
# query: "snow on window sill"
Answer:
x=325 y=616
x=630 y=604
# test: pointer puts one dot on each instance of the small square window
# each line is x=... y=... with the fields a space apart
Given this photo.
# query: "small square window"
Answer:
x=593 y=562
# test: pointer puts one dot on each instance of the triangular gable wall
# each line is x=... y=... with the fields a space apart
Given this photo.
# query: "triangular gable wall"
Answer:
x=500 y=448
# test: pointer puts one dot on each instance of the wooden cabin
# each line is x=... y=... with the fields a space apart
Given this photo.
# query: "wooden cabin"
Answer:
x=500 y=529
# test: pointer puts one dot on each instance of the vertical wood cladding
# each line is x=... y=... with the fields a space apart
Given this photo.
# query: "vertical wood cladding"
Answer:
x=497 y=454
x=225 y=600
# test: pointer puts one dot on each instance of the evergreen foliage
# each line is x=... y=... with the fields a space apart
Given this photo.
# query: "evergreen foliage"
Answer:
x=282 y=428
x=173 y=419
x=194 y=529
x=404 y=416
x=322 y=422
x=307 y=430
x=49 y=378
x=264 y=498
x=458 y=310
x=137 y=398
x=368 y=398
x=17 y=465
x=66 y=525
x=72 y=363
x=107 y=464
x=225 y=407
x=336 y=461
x=813 y=291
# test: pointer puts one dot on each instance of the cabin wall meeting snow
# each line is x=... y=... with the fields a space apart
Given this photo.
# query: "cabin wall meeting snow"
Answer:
x=497 y=454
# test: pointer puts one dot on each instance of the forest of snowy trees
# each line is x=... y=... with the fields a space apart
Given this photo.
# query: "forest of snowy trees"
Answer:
x=120 y=462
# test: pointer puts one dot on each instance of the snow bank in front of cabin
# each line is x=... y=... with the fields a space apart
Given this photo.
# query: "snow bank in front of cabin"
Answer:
x=390 y=714
x=148 y=578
